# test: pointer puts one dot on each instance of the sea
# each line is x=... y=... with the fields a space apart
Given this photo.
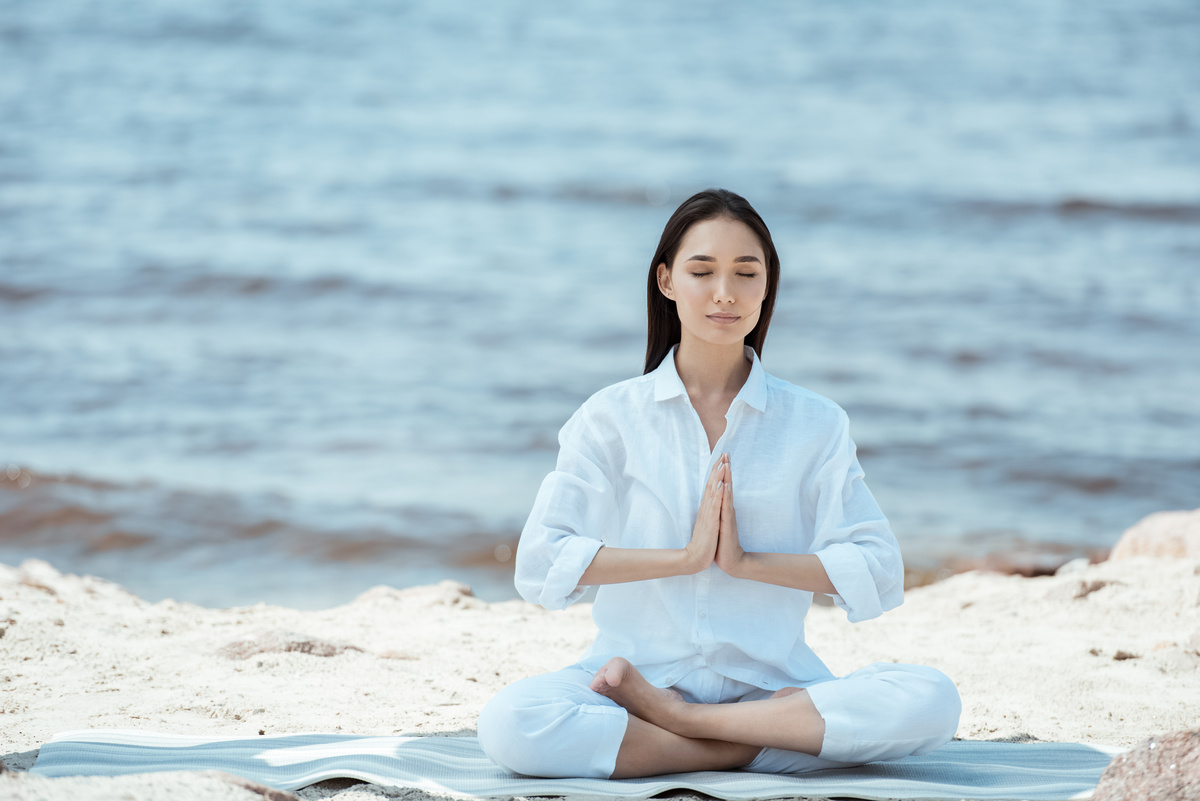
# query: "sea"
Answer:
x=295 y=297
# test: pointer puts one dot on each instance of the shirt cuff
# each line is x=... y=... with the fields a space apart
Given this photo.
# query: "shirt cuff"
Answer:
x=851 y=577
x=562 y=583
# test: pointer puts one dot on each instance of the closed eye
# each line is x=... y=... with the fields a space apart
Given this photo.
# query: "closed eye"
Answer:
x=746 y=275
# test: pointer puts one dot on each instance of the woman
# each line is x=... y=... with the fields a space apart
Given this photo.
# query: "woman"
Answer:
x=700 y=662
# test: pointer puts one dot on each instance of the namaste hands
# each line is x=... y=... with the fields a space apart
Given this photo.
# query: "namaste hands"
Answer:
x=715 y=535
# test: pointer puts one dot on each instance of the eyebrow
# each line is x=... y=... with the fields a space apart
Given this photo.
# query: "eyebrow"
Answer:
x=738 y=260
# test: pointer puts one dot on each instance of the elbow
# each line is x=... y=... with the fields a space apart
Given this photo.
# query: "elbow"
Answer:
x=552 y=580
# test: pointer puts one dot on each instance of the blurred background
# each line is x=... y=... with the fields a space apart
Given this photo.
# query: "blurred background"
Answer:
x=294 y=297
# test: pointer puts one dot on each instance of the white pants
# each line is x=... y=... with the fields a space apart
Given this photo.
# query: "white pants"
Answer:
x=554 y=725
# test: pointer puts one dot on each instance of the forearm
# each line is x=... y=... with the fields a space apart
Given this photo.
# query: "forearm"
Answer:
x=618 y=565
x=801 y=571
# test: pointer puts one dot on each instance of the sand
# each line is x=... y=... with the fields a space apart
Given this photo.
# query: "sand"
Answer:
x=1105 y=655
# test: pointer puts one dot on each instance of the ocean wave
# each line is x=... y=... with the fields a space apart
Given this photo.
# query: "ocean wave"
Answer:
x=39 y=509
x=15 y=294
x=182 y=282
x=1083 y=208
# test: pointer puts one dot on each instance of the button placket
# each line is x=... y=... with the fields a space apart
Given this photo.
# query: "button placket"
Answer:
x=703 y=626
x=708 y=458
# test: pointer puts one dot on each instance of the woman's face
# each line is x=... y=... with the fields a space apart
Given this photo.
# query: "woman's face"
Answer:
x=718 y=281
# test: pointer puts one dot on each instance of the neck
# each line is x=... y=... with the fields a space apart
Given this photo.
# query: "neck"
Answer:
x=711 y=371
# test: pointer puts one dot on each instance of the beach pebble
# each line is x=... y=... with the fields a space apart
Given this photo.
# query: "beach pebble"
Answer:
x=1174 y=534
x=1164 y=768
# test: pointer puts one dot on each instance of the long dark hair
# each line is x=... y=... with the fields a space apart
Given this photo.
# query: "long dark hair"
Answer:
x=663 y=329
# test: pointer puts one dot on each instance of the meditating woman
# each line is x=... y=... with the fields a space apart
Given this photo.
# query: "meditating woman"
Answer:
x=700 y=662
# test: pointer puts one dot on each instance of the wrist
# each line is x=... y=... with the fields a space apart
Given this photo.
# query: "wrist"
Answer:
x=687 y=562
x=740 y=564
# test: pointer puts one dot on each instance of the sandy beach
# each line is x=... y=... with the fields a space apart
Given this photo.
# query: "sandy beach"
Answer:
x=1107 y=654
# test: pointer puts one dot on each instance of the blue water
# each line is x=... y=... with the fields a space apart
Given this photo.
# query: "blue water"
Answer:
x=295 y=297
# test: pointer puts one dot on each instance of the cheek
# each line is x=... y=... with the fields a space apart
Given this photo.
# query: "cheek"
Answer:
x=691 y=296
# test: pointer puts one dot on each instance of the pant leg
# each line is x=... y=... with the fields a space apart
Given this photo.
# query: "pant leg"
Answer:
x=553 y=725
x=882 y=711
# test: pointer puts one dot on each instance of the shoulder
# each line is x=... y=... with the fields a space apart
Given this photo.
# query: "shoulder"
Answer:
x=618 y=399
x=609 y=410
x=803 y=408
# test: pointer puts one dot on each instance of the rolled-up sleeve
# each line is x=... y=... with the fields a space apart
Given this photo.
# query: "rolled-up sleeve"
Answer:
x=575 y=508
x=852 y=538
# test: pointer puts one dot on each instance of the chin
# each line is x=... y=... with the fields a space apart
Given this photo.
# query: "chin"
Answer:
x=725 y=338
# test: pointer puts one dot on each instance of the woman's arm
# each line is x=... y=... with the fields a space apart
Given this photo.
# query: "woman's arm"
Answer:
x=619 y=565
x=801 y=571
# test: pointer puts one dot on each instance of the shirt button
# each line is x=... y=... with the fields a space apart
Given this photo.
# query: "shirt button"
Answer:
x=703 y=615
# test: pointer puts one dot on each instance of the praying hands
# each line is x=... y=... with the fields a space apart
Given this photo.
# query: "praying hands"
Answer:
x=715 y=535
x=715 y=539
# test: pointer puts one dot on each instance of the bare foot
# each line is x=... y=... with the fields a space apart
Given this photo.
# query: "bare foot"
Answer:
x=621 y=681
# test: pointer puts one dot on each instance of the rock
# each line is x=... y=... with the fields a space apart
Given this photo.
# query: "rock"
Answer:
x=1163 y=768
x=1175 y=534
x=445 y=593
x=1079 y=589
x=268 y=793
x=1077 y=565
x=283 y=642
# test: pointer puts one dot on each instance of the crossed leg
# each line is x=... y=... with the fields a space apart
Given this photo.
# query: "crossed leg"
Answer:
x=669 y=735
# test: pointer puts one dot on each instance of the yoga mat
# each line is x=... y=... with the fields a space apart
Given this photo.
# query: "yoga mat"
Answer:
x=962 y=769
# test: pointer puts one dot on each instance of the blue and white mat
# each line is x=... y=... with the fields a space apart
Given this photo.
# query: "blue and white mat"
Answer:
x=963 y=769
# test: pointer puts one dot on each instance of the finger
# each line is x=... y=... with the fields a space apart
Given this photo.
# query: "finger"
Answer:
x=715 y=499
x=713 y=477
x=717 y=477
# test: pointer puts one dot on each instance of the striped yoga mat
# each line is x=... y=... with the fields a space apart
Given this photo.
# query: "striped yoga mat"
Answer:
x=962 y=769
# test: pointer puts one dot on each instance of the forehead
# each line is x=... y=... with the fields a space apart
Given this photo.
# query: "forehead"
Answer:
x=722 y=238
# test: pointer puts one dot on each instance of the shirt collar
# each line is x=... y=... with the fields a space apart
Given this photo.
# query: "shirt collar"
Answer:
x=668 y=384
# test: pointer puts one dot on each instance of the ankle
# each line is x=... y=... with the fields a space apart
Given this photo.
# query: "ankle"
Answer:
x=686 y=719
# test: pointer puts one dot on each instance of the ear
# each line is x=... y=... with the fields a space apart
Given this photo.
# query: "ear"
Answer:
x=664 y=281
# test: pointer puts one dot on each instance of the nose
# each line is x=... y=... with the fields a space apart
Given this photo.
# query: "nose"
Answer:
x=722 y=292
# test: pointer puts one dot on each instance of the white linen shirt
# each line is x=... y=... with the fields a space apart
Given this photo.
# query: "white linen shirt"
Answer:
x=632 y=465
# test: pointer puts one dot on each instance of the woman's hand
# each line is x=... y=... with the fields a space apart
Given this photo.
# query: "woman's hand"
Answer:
x=700 y=552
x=729 y=555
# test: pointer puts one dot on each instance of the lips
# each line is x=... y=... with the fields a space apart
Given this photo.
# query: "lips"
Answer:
x=723 y=317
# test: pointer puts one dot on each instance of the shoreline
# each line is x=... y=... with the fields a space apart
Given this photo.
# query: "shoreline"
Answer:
x=1107 y=653
x=211 y=550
